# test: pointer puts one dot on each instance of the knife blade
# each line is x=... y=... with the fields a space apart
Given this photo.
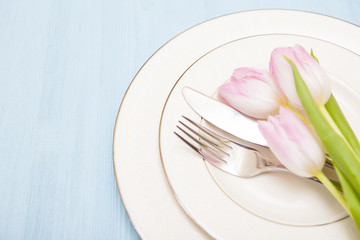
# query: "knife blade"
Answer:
x=223 y=116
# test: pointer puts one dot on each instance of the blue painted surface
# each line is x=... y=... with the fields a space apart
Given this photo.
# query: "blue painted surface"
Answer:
x=64 y=68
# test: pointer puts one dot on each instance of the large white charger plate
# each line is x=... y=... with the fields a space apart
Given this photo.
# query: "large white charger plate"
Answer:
x=278 y=202
x=148 y=198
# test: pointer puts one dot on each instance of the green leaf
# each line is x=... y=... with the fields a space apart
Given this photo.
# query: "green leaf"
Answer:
x=339 y=149
x=351 y=198
x=337 y=115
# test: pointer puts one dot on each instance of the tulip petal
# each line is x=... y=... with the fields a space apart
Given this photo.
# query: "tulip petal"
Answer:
x=252 y=92
x=310 y=70
x=293 y=143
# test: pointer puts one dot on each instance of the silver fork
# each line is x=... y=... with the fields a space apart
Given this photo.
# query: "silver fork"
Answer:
x=232 y=156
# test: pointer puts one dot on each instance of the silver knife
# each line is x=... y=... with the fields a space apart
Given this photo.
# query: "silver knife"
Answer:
x=224 y=117
x=234 y=123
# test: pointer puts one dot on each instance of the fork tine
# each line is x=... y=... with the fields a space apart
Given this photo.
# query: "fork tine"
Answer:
x=206 y=151
x=188 y=143
x=219 y=138
x=208 y=132
x=215 y=146
x=198 y=134
x=202 y=137
x=203 y=154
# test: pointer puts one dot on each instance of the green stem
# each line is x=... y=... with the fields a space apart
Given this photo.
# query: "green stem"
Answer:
x=333 y=190
x=336 y=128
x=299 y=115
x=329 y=119
x=337 y=115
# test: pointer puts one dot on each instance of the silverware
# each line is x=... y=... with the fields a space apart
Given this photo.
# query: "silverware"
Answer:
x=228 y=155
x=231 y=121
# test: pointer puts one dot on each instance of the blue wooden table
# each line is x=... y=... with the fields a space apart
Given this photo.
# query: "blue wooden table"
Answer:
x=64 y=68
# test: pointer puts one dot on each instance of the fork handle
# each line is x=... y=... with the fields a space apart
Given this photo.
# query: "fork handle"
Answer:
x=274 y=165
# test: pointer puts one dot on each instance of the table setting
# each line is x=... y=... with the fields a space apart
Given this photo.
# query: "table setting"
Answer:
x=224 y=206
x=180 y=120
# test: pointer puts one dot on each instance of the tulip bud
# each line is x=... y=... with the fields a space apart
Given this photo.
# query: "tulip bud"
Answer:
x=294 y=144
x=310 y=70
x=252 y=92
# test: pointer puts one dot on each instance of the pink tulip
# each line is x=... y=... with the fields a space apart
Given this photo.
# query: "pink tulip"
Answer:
x=252 y=92
x=310 y=70
x=293 y=143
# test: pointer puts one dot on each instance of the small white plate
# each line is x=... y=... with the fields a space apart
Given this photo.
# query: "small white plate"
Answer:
x=145 y=192
x=277 y=201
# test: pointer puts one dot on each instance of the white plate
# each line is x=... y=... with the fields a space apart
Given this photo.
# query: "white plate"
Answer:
x=142 y=183
x=276 y=202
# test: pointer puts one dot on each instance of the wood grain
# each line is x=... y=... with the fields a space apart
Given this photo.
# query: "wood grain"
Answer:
x=64 y=68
